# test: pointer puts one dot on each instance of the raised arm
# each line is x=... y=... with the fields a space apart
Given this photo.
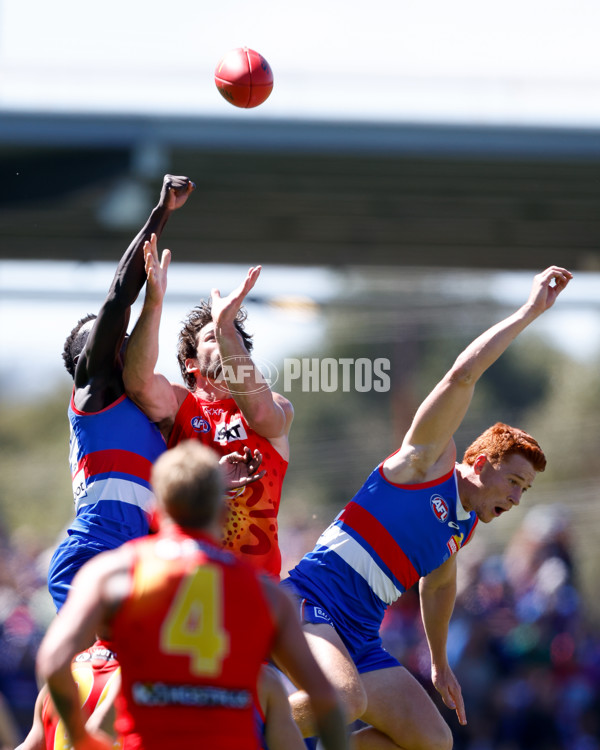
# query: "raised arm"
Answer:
x=267 y=413
x=99 y=360
x=151 y=390
x=428 y=447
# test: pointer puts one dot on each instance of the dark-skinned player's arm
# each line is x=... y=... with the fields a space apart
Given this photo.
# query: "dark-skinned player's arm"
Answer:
x=99 y=364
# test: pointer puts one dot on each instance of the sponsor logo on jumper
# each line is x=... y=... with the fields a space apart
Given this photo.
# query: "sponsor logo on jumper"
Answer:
x=226 y=432
x=96 y=652
x=213 y=411
x=199 y=424
x=320 y=614
x=440 y=508
x=455 y=543
x=159 y=694
x=79 y=485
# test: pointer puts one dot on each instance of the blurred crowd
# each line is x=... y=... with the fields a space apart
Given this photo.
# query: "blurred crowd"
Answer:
x=521 y=642
x=25 y=612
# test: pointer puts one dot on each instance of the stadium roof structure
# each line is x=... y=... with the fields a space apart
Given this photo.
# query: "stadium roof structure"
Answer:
x=303 y=192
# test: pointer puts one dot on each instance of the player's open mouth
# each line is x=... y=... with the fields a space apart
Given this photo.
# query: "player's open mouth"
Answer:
x=498 y=511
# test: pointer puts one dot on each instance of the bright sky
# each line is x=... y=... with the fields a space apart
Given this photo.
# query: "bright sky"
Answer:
x=515 y=61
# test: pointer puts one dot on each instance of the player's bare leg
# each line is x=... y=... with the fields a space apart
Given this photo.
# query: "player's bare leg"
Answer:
x=335 y=661
x=400 y=714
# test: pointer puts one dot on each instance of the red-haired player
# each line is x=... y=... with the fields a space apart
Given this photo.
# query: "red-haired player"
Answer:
x=405 y=525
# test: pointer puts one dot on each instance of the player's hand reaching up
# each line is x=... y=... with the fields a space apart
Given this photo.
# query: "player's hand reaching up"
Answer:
x=546 y=287
x=175 y=191
x=156 y=271
x=225 y=309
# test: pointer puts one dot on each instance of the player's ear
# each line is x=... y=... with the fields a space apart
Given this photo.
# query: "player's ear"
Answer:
x=479 y=463
x=191 y=365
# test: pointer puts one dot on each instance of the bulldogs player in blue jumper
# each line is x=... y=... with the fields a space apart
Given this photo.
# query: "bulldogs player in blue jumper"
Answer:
x=112 y=443
x=405 y=525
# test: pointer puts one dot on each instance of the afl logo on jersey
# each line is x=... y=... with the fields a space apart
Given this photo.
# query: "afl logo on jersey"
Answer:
x=200 y=425
x=439 y=507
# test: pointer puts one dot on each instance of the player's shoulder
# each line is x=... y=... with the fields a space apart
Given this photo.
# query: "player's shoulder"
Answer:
x=180 y=392
x=414 y=465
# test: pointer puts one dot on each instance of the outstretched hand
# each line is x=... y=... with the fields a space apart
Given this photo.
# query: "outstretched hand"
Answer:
x=224 y=309
x=241 y=470
x=547 y=285
x=156 y=270
x=175 y=191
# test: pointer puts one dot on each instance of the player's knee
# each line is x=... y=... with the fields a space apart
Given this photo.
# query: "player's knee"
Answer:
x=440 y=737
x=354 y=699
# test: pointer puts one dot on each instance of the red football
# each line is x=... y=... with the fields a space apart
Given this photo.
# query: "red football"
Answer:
x=244 y=78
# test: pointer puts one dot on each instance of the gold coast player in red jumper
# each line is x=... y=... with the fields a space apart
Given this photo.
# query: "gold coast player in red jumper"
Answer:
x=97 y=674
x=192 y=624
x=226 y=403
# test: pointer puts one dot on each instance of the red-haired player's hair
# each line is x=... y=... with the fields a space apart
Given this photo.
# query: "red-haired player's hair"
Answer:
x=501 y=440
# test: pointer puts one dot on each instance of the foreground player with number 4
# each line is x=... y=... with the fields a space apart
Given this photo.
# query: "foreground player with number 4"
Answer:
x=414 y=512
x=192 y=625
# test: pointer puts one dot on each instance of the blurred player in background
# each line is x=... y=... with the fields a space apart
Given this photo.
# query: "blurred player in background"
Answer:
x=97 y=674
x=226 y=403
x=405 y=525
x=192 y=625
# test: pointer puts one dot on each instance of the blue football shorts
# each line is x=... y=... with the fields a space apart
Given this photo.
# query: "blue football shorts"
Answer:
x=367 y=653
x=70 y=555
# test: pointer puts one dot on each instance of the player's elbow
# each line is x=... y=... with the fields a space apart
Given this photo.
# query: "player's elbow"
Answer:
x=268 y=421
x=462 y=374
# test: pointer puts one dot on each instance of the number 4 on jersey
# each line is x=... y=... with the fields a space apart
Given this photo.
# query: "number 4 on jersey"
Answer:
x=194 y=625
